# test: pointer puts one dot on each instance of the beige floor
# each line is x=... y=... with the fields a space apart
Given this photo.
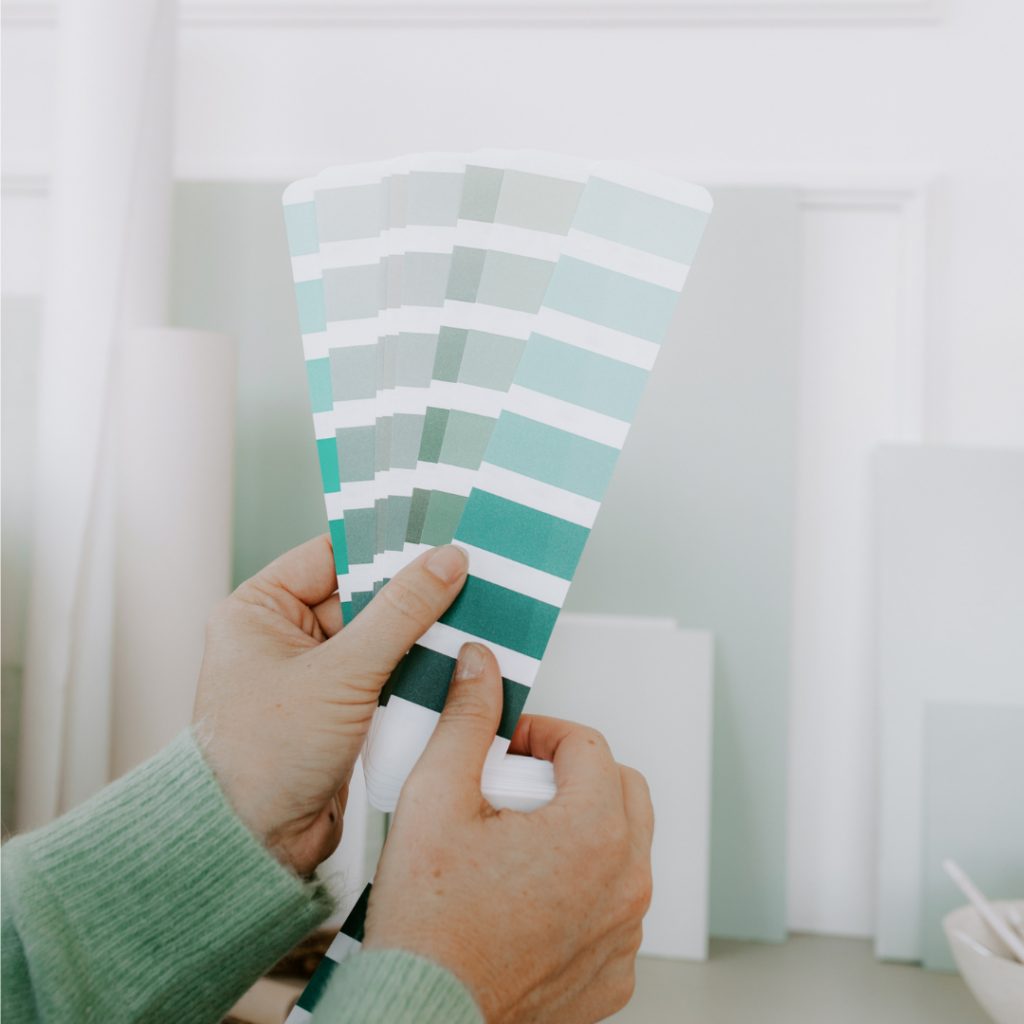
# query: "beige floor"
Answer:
x=808 y=980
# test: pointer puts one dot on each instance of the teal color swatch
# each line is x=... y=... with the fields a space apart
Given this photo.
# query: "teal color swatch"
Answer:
x=327 y=449
x=337 y=528
x=502 y=616
x=522 y=534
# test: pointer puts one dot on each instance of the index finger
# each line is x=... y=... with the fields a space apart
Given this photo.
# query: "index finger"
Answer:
x=584 y=766
x=306 y=572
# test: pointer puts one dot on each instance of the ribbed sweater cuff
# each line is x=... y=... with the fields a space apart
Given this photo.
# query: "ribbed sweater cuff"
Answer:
x=391 y=986
x=153 y=901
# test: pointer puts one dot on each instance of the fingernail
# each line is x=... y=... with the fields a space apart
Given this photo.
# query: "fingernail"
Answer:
x=471 y=662
x=447 y=563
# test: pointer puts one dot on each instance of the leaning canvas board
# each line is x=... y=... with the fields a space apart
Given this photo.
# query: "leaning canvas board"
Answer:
x=950 y=607
x=646 y=685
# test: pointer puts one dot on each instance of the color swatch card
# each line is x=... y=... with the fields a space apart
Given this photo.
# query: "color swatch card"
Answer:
x=478 y=331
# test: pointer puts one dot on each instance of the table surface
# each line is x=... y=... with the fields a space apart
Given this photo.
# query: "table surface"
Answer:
x=811 y=979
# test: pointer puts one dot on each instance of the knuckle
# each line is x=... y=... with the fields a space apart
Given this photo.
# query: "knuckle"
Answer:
x=470 y=708
x=409 y=602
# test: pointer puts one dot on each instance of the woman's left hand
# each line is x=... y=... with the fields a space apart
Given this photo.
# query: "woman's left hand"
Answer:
x=286 y=695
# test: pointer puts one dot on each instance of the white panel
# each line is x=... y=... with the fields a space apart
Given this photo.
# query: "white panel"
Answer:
x=849 y=404
x=950 y=611
x=647 y=687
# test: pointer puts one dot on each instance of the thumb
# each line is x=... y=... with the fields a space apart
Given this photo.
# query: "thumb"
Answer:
x=406 y=607
x=450 y=767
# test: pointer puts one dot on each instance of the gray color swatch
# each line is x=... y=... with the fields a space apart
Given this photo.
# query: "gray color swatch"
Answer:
x=344 y=214
x=425 y=278
x=415 y=360
x=353 y=372
x=356 y=453
x=433 y=198
x=537 y=202
x=490 y=360
x=464 y=278
x=480 y=192
x=350 y=293
x=406 y=435
x=513 y=282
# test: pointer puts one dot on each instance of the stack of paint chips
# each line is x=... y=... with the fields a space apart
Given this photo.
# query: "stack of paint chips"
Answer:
x=478 y=330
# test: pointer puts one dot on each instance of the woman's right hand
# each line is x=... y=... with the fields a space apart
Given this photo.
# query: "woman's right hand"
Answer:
x=538 y=914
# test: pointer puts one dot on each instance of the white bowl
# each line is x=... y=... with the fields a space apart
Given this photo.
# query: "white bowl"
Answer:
x=991 y=973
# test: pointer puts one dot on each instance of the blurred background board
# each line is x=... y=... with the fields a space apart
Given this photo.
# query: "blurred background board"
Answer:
x=949 y=615
x=646 y=685
x=230 y=272
x=697 y=524
x=973 y=811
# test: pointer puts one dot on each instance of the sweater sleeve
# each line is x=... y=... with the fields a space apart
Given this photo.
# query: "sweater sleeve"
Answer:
x=152 y=902
x=391 y=986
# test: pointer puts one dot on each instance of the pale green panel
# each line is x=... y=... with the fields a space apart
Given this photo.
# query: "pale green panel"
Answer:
x=697 y=524
x=974 y=811
x=231 y=273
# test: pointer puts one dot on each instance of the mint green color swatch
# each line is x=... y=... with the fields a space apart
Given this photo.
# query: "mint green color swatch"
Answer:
x=581 y=377
x=551 y=455
x=309 y=297
x=300 y=222
x=611 y=299
x=318 y=371
x=640 y=221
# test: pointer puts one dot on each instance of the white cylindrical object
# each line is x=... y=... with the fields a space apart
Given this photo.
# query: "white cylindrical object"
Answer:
x=107 y=269
x=175 y=447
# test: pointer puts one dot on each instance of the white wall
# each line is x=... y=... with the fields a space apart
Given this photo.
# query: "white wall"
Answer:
x=901 y=123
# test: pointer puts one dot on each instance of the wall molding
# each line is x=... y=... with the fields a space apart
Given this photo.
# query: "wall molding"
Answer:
x=250 y=14
x=904 y=195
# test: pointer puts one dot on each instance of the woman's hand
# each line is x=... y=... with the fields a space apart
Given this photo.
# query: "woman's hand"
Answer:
x=539 y=915
x=286 y=695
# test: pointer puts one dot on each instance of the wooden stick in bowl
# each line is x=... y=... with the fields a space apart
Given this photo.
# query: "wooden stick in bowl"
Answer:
x=989 y=914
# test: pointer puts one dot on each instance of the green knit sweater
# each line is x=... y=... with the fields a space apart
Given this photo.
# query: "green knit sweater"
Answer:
x=153 y=903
